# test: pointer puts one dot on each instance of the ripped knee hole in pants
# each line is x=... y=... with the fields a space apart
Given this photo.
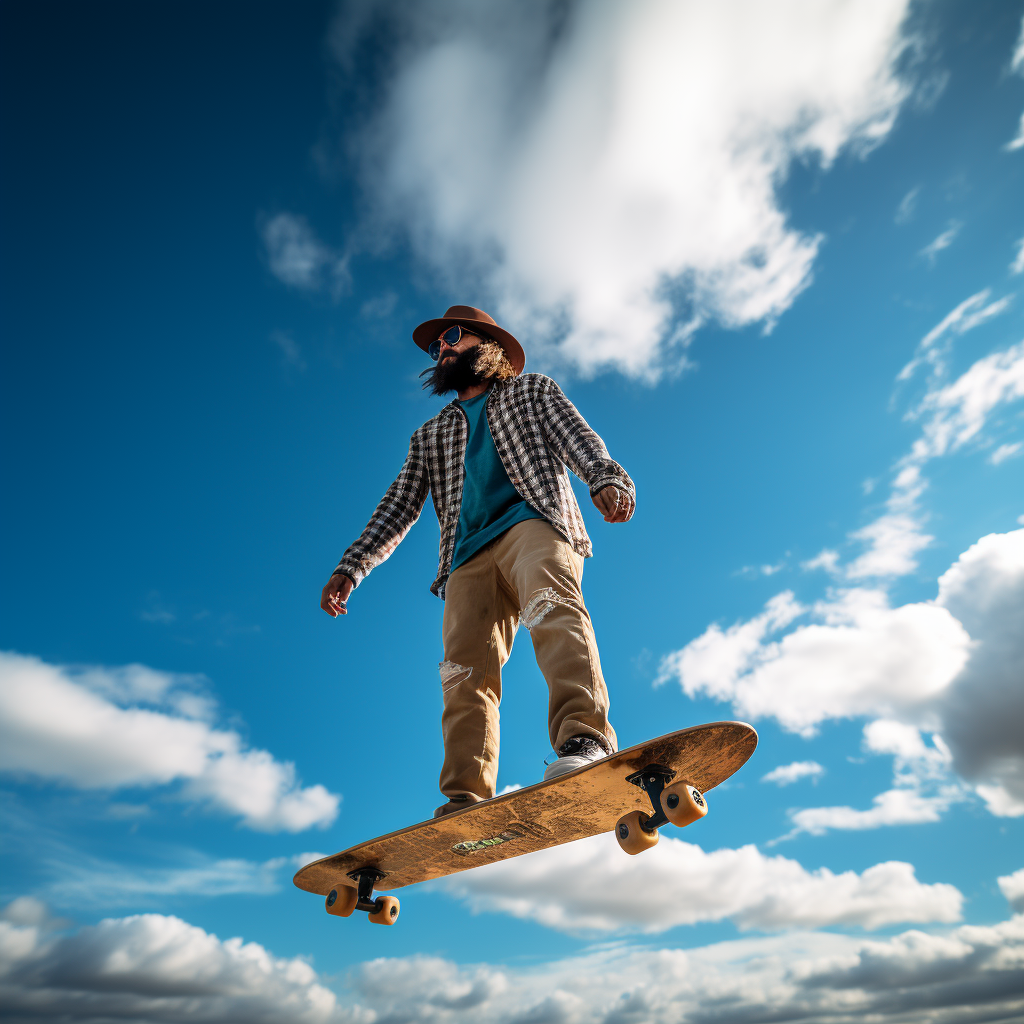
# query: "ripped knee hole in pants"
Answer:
x=541 y=604
x=453 y=673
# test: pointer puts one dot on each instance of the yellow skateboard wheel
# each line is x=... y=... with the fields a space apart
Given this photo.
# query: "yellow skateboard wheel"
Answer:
x=631 y=836
x=683 y=804
x=387 y=910
x=341 y=900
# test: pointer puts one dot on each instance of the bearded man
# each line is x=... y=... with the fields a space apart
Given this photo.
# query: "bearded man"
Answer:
x=512 y=546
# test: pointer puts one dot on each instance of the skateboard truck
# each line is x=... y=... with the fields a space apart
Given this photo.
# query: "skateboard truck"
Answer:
x=366 y=879
x=675 y=802
x=652 y=780
x=342 y=900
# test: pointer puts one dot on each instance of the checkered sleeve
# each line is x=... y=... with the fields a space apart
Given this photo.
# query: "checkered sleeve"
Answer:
x=578 y=445
x=398 y=510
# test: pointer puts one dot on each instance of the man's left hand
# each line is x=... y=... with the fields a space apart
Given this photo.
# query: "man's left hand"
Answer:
x=612 y=504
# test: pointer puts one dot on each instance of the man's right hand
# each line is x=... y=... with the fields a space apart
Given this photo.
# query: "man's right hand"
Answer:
x=335 y=595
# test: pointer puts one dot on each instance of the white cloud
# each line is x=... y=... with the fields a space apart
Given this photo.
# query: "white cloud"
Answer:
x=893 y=542
x=1017 y=65
x=590 y=885
x=1018 y=140
x=291 y=353
x=787 y=774
x=87 y=729
x=826 y=559
x=1004 y=452
x=1017 y=266
x=86 y=881
x=922 y=789
x=878 y=660
x=952 y=416
x=955 y=414
x=299 y=259
x=981 y=713
x=943 y=241
x=893 y=807
x=161 y=969
x=972 y=312
x=951 y=666
x=625 y=161
x=1012 y=887
x=155 y=968
x=907 y=205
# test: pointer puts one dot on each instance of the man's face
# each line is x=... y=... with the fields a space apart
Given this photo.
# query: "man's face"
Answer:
x=456 y=369
x=467 y=341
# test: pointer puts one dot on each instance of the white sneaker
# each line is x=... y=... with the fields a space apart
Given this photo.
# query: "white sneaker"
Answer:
x=576 y=752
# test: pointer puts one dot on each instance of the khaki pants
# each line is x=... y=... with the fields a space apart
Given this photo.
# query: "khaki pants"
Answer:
x=530 y=574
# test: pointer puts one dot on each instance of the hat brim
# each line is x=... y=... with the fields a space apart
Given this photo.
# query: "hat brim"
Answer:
x=430 y=330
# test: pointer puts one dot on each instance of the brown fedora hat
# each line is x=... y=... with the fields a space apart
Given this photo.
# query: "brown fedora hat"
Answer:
x=477 y=321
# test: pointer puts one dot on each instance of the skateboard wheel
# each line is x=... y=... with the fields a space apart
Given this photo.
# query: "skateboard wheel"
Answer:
x=386 y=912
x=683 y=804
x=341 y=900
x=631 y=836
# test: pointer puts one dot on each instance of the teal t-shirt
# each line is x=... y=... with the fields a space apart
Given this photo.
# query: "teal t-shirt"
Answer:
x=490 y=504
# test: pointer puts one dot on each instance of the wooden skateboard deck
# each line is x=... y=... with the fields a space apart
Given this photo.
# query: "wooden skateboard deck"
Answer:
x=582 y=803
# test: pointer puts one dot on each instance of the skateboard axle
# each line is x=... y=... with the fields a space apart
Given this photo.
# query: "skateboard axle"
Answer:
x=366 y=879
x=652 y=780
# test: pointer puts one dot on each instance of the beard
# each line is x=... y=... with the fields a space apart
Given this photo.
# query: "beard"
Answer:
x=454 y=373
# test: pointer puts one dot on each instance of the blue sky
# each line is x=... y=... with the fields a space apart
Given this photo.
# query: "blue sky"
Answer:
x=774 y=255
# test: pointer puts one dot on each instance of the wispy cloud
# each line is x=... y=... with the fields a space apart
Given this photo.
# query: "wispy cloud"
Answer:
x=603 y=207
x=289 y=348
x=299 y=259
x=943 y=241
x=1017 y=266
x=907 y=206
x=1004 y=452
x=971 y=313
x=1017 y=67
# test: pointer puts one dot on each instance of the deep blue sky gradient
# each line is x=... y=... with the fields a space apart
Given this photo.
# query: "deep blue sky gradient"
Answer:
x=162 y=455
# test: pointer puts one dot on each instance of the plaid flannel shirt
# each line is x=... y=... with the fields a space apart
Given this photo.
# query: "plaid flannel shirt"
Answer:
x=537 y=432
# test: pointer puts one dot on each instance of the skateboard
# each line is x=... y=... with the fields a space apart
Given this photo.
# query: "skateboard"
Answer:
x=634 y=792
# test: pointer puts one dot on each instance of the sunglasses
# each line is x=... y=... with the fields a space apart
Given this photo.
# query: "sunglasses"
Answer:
x=451 y=338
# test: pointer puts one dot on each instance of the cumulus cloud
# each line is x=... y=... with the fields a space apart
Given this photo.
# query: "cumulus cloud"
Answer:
x=982 y=711
x=299 y=259
x=878 y=660
x=589 y=886
x=134 y=727
x=155 y=968
x=1012 y=887
x=787 y=774
x=606 y=176
x=951 y=666
x=161 y=969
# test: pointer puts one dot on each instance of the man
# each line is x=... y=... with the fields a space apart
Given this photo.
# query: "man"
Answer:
x=512 y=545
